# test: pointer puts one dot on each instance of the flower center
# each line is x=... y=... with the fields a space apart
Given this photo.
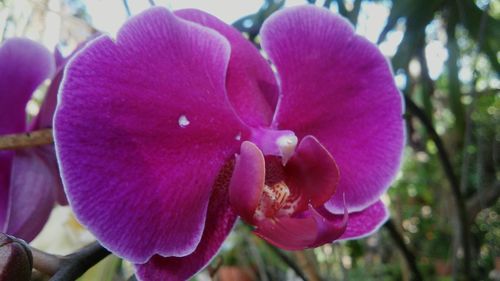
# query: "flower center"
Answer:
x=280 y=198
x=275 y=202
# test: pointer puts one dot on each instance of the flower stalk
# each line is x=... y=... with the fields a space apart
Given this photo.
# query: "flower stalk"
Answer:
x=69 y=267
x=27 y=139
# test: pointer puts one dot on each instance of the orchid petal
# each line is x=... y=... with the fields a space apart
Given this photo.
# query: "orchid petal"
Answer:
x=288 y=233
x=220 y=221
x=44 y=118
x=312 y=172
x=366 y=222
x=46 y=114
x=247 y=181
x=329 y=230
x=32 y=194
x=137 y=132
x=360 y=224
x=250 y=83
x=309 y=230
x=24 y=65
x=5 y=169
x=48 y=154
x=59 y=57
x=338 y=87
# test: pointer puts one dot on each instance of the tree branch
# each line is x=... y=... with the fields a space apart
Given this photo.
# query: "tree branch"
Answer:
x=407 y=254
x=307 y=265
x=76 y=264
x=482 y=201
x=450 y=175
x=469 y=122
x=47 y=264
x=454 y=92
x=288 y=261
x=342 y=9
x=127 y=8
x=23 y=140
x=355 y=12
x=257 y=19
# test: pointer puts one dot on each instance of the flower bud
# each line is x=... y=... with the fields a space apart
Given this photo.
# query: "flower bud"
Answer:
x=16 y=260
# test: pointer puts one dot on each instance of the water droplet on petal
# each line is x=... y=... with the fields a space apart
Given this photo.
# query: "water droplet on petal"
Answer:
x=183 y=121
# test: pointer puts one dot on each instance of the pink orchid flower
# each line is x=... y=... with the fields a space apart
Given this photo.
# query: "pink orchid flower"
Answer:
x=29 y=178
x=171 y=131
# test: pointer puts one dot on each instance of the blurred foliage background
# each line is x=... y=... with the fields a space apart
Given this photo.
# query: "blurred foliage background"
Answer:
x=445 y=210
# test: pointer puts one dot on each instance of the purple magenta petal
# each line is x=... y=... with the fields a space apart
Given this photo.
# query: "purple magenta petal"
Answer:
x=142 y=128
x=360 y=224
x=288 y=233
x=48 y=107
x=329 y=230
x=45 y=116
x=59 y=58
x=308 y=230
x=46 y=113
x=338 y=87
x=5 y=169
x=251 y=85
x=366 y=222
x=44 y=120
x=220 y=221
x=32 y=194
x=247 y=181
x=24 y=65
x=48 y=154
x=312 y=173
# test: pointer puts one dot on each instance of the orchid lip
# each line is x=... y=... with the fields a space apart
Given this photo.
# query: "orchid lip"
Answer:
x=280 y=196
